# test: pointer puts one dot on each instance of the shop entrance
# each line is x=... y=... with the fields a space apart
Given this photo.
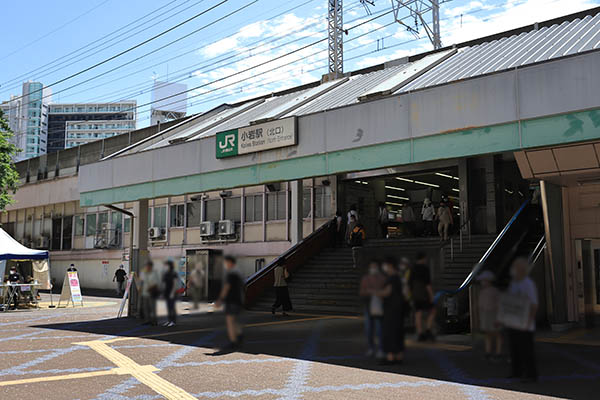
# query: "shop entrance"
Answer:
x=588 y=266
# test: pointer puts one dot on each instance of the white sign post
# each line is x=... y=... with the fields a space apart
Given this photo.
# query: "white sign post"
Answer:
x=71 y=291
x=125 y=296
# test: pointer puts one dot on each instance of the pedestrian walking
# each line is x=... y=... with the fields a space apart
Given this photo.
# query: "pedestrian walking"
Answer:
x=489 y=297
x=522 y=342
x=408 y=218
x=444 y=217
x=428 y=215
x=339 y=228
x=170 y=280
x=357 y=235
x=150 y=282
x=383 y=219
x=394 y=308
x=282 y=294
x=120 y=277
x=370 y=286
x=353 y=212
x=232 y=298
x=422 y=295
x=196 y=284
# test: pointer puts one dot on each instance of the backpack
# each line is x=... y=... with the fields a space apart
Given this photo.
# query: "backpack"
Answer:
x=357 y=237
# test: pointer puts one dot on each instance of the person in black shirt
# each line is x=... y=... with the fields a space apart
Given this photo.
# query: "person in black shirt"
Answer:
x=72 y=268
x=169 y=280
x=422 y=295
x=393 y=313
x=14 y=277
x=231 y=297
x=120 y=277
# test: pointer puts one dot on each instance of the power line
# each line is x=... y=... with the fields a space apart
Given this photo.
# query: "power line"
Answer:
x=133 y=47
x=18 y=78
x=53 y=31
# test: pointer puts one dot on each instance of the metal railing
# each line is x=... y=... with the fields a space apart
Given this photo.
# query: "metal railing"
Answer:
x=467 y=223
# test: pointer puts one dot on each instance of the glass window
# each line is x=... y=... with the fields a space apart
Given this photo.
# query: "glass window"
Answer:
x=160 y=217
x=127 y=224
x=116 y=220
x=90 y=225
x=233 y=210
x=67 y=232
x=102 y=218
x=79 y=224
x=306 y=206
x=177 y=215
x=323 y=202
x=254 y=208
x=212 y=210
x=194 y=216
x=276 y=207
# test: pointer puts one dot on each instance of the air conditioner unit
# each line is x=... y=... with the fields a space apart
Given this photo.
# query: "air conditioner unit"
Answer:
x=207 y=228
x=106 y=226
x=156 y=233
x=42 y=242
x=226 y=228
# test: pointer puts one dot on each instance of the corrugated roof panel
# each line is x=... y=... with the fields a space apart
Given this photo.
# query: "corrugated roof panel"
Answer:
x=245 y=118
x=349 y=92
x=530 y=47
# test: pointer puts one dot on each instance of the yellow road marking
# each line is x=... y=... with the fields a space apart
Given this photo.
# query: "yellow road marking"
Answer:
x=87 y=304
x=142 y=373
x=113 y=371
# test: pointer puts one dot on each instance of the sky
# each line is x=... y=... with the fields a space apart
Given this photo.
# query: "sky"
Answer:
x=223 y=50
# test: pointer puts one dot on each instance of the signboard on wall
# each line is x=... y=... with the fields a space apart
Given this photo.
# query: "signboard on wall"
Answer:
x=255 y=138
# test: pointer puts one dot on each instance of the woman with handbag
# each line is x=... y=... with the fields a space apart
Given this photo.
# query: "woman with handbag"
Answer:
x=282 y=294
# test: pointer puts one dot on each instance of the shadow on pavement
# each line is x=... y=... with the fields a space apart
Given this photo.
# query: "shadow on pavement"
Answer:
x=566 y=370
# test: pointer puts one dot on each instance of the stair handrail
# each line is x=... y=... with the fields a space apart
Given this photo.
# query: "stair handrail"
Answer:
x=483 y=258
x=537 y=251
x=258 y=275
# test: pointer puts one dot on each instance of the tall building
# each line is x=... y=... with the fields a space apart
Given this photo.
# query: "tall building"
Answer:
x=73 y=124
x=27 y=117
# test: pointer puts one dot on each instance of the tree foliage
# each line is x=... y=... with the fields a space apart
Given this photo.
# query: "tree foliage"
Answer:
x=9 y=177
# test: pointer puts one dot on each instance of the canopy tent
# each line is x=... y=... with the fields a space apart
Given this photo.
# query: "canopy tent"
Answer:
x=11 y=250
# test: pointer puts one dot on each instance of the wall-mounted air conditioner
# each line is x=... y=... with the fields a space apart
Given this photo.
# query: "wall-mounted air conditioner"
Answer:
x=42 y=242
x=156 y=232
x=226 y=228
x=207 y=228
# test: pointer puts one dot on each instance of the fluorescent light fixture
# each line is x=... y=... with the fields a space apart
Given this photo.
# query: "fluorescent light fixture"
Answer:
x=446 y=175
x=405 y=180
x=395 y=188
x=362 y=182
x=427 y=184
x=393 y=204
x=509 y=191
x=398 y=197
x=456 y=207
x=455 y=190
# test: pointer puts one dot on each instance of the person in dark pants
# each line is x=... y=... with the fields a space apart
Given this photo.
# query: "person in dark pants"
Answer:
x=393 y=313
x=282 y=294
x=120 y=277
x=522 y=342
x=169 y=284
x=422 y=296
x=370 y=286
x=232 y=297
x=14 y=278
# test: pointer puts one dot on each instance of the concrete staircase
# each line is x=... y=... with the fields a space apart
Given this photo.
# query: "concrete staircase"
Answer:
x=456 y=270
x=327 y=284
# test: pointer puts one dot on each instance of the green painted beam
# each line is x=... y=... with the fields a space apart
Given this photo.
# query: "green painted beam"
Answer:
x=547 y=131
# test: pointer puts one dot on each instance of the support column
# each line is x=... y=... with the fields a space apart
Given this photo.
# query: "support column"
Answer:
x=552 y=206
x=296 y=223
x=463 y=184
x=139 y=254
x=490 y=190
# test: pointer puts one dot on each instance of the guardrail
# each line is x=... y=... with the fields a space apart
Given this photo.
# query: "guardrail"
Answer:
x=293 y=258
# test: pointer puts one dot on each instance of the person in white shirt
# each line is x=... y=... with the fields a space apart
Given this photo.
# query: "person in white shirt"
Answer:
x=522 y=340
x=383 y=219
x=352 y=212
x=428 y=215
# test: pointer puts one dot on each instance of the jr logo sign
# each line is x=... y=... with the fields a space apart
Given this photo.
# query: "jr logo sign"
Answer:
x=227 y=144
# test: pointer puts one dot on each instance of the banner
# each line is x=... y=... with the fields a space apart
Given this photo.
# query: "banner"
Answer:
x=71 y=291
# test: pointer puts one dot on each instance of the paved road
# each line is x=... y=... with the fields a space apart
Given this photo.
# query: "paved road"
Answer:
x=86 y=353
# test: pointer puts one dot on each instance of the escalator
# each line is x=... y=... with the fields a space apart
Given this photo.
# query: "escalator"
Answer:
x=522 y=236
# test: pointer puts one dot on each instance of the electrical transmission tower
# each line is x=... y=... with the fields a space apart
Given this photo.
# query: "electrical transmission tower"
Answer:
x=417 y=14
x=335 y=26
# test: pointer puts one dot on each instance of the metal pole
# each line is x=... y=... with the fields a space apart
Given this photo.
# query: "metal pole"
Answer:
x=452 y=249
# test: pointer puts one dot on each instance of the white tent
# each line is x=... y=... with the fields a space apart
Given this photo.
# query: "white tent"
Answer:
x=10 y=249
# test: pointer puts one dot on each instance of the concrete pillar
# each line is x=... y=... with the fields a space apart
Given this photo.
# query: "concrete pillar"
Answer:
x=463 y=185
x=552 y=206
x=490 y=190
x=140 y=225
x=139 y=254
x=296 y=223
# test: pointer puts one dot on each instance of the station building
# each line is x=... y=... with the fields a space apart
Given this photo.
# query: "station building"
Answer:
x=493 y=124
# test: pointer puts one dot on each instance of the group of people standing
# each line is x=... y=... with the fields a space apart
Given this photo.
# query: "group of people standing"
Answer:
x=153 y=285
x=390 y=290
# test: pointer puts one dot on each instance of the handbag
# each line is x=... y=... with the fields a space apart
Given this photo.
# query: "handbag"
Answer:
x=376 y=307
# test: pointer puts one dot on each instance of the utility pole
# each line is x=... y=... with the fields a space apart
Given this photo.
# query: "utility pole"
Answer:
x=335 y=25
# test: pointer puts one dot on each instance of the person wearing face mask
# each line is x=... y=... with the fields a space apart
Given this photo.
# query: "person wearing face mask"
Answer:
x=394 y=307
x=522 y=340
x=370 y=285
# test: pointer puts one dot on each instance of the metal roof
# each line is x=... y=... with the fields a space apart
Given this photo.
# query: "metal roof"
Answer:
x=547 y=43
x=528 y=47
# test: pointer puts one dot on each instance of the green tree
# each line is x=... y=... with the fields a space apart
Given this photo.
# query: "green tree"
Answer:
x=9 y=177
